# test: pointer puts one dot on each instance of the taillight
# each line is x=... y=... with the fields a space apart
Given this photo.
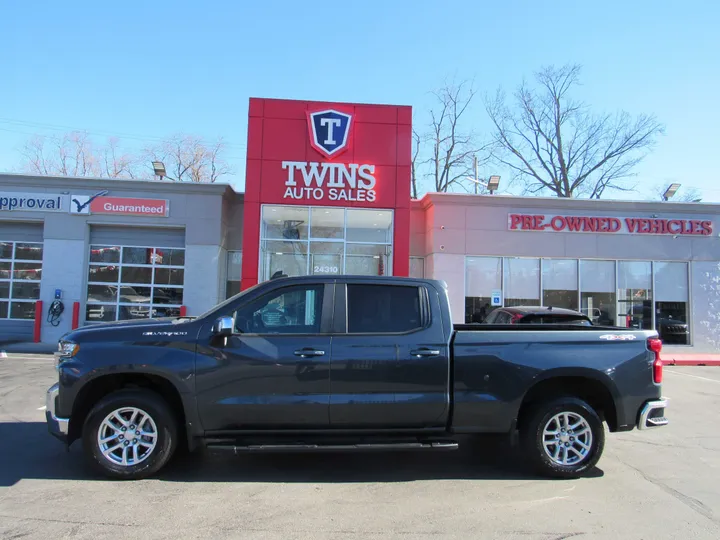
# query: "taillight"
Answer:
x=655 y=345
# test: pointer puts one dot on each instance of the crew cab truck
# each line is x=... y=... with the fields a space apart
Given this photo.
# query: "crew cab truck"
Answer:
x=348 y=363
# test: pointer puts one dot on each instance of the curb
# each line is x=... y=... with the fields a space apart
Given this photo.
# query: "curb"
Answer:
x=691 y=362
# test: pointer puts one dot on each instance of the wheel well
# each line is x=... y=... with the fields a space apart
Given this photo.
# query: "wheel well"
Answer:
x=595 y=393
x=98 y=388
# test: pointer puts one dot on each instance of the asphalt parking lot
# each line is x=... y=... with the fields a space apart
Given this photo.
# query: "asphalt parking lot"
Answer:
x=657 y=484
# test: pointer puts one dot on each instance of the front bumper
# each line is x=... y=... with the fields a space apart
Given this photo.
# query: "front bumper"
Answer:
x=58 y=427
x=652 y=414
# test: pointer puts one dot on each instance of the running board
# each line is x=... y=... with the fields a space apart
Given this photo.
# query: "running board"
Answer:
x=364 y=447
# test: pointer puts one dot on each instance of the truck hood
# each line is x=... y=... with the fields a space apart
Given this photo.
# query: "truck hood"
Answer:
x=128 y=329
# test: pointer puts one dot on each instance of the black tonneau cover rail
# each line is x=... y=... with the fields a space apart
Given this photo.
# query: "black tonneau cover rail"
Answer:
x=479 y=327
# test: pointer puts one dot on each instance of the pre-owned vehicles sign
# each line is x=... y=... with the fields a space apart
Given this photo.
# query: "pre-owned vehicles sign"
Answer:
x=612 y=225
x=33 y=202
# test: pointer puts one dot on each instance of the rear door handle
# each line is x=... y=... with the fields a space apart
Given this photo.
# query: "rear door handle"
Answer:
x=306 y=353
x=425 y=353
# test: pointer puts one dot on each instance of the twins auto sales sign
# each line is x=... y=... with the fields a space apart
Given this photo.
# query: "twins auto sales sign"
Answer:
x=328 y=154
x=330 y=135
x=610 y=225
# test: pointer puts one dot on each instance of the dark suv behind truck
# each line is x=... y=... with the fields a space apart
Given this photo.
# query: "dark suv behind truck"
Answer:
x=348 y=363
x=537 y=315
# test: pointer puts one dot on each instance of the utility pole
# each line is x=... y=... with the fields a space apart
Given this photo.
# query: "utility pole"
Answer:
x=476 y=174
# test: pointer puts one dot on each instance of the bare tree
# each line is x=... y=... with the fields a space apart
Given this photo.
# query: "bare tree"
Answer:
x=554 y=143
x=452 y=146
x=116 y=164
x=188 y=158
x=36 y=158
x=73 y=154
x=70 y=154
x=413 y=169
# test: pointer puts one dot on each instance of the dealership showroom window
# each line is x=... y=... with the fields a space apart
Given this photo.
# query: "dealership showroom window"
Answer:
x=20 y=275
x=131 y=282
x=637 y=294
x=299 y=240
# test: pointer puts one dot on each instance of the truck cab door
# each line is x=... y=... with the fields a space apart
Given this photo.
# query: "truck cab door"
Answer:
x=390 y=359
x=273 y=371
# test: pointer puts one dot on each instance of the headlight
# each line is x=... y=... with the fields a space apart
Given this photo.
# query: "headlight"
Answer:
x=67 y=349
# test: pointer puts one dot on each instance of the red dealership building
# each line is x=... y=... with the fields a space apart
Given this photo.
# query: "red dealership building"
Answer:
x=327 y=191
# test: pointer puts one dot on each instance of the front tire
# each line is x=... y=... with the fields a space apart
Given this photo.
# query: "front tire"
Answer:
x=563 y=438
x=130 y=434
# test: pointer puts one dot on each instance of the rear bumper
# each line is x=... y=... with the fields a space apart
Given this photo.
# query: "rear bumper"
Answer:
x=652 y=414
x=58 y=427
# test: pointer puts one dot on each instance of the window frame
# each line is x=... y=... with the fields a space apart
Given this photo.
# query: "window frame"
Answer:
x=152 y=285
x=388 y=244
x=340 y=322
x=11 y=280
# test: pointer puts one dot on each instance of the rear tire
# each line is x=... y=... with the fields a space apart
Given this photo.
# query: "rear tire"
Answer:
x=563 y=438
x=130 y=434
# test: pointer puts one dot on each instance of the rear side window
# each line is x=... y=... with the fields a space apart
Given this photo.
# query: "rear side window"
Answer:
x=501 y=317
x=383 y=309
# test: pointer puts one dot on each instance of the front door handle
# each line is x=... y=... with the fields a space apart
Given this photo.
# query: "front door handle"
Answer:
x=306 y=353
x=425 y=353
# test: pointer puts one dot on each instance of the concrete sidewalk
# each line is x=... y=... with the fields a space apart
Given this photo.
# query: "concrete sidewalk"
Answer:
x=690 y=359
x=28 y=348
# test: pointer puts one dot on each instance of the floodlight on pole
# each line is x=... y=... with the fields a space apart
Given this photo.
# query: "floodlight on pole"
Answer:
x=493 y=183
x=670 y=191
x=159 y=168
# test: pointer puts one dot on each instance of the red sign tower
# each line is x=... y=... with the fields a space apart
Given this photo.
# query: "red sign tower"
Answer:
x=327 y=154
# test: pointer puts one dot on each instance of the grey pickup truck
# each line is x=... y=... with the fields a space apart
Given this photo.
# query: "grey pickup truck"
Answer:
x=348 y=363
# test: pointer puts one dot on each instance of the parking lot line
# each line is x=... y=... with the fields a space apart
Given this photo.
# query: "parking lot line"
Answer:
x=693 y=376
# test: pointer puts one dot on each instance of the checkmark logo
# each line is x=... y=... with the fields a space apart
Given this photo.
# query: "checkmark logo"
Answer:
x=82 y=202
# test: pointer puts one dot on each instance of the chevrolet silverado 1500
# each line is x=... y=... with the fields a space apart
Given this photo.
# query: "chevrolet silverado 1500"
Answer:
x=348 y=363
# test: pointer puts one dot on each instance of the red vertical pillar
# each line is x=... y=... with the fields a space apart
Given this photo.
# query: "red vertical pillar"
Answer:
x=251 y=203
x=401 y=243
x=38 y=321
x=401 y=260
x=76 y=315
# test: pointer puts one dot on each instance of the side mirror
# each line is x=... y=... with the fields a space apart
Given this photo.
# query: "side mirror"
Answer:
x=223 y=327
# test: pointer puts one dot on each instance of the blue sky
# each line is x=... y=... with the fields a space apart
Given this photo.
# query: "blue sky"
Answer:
x=144 y=70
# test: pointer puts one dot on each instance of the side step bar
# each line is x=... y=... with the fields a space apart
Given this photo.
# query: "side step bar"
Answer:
x=364 y=447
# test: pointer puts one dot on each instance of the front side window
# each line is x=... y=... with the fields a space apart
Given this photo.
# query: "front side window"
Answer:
x=383 y=309
x=293 y=310
x=20 y=274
